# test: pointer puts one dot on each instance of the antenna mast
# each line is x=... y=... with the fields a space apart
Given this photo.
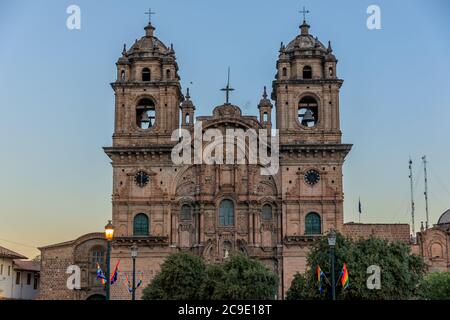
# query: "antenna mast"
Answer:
x=424 y=159
x=412 y=196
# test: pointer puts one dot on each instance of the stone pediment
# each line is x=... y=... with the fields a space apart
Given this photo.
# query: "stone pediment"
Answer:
x=227 y=111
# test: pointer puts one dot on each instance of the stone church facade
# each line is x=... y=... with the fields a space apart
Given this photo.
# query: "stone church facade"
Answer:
x=213 y=209
x=209 y=209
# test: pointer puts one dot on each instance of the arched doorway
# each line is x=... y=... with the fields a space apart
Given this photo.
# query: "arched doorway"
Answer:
x=96 y=297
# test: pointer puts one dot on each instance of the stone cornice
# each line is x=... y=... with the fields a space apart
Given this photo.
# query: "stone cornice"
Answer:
x=148 y=150
x=301 y=240
x=150 y=240
x=145 y=84
x=308 y=81
x=316 y=148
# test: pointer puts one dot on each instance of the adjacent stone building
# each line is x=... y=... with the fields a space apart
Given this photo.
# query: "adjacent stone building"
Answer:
x=85 y=252
x=212 y=209
x=434 y=244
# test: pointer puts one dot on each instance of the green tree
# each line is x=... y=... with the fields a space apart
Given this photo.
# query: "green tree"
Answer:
x=185 y=276
x=435 y=286
x=180 y=278
x=401 y=271
x=299 y=289
x=240 y=278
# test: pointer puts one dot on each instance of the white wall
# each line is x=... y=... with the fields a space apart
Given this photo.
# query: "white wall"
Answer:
x=8 y=287
x=6 y=283
x=24 y=290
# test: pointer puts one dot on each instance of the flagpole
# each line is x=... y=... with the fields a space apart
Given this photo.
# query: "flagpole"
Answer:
x=109 y=234
x=108 y=270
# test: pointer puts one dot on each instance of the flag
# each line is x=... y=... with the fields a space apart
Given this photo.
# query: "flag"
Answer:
x=115 y=274
x=359 y=206
x=320 y=275
x=140 y=280
x=128 y=284
x=100 y=274
x=344 y=277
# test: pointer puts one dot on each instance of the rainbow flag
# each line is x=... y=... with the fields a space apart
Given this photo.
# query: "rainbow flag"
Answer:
x=100 y=274
x=128 y=283
x=320 y=275
x=344 y=277
x=140 y=280
x=115 y=274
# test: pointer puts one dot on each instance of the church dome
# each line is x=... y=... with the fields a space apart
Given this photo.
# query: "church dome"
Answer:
x=306 y=44
x=149 y=46
x=444 y=218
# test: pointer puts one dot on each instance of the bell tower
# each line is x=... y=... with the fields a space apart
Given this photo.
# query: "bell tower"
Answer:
x=147 y=111
x=306 y=94
x=306 y=91
x=147 y=92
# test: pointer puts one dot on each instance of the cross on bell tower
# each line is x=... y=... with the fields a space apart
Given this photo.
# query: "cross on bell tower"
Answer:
x=228 y=89
x=149 y=13
x=304 y=12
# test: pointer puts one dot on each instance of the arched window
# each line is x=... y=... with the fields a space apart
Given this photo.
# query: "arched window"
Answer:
x=307 y=72
x=97 y=255
x=437 y=251
x=226 y=213
x=312 y=224
x=267 y=212
x=187 y=118
x=146 y=74
x=186 y=212
x=168 y=74
x=122 y=75
x=265 y=117
x=284 y=72
x=145 y=114
x=330 y=71
x=308 y=111
x=140 y=225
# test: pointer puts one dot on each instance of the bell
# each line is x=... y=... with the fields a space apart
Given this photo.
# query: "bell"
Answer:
x=145 y=118
x=307 y=117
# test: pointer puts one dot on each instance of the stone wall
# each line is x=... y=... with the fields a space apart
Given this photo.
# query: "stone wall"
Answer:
x=391 y=232
x=54 y=263
x=55 y=259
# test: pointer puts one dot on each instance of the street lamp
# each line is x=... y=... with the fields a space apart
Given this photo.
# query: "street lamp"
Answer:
x=134 y=254
x=332 y=244
x=109 y=234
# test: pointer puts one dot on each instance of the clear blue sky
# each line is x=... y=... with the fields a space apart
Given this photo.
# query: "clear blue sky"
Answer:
x=57 y=105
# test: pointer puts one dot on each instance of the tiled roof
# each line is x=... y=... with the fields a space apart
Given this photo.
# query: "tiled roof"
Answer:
x=27 y=265
x=6 y=253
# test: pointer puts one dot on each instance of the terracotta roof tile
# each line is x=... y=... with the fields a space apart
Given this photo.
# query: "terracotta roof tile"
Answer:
x=6 y=253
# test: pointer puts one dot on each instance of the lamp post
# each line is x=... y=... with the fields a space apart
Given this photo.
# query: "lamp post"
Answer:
x=332 y=244
x=109 y=234
x=134 y=254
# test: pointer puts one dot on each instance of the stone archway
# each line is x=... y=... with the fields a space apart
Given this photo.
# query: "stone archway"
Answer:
x=96 y=296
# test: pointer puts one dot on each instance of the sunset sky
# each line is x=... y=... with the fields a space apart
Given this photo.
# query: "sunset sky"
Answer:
x=57 y=106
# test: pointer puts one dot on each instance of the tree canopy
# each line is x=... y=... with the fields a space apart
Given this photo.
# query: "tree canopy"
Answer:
x=435 y=286
x=401 y=271
x=185 y=276
x=180 y=278
x=240 y=278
